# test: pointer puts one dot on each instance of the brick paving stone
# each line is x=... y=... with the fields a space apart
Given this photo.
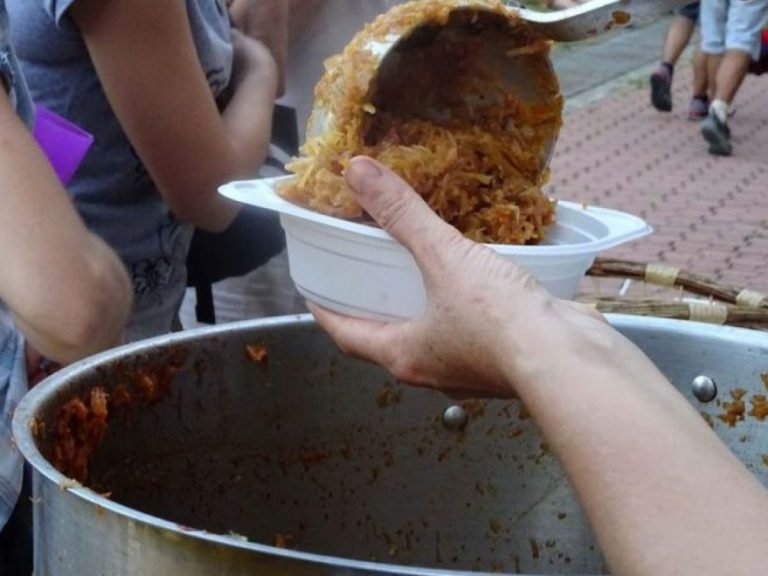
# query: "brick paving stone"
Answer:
x=710 y=214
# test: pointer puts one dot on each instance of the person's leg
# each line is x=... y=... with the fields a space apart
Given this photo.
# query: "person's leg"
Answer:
x=730 y=75
x=713 y=18
x=700 y=97
x=715 y=128
x=700 y=77
x=742 y=42
x=699 y=106
x=678 y=35
x=713 y=65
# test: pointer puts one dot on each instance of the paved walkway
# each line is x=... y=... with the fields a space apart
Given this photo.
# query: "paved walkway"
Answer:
x=589 y=70
x=710 y=214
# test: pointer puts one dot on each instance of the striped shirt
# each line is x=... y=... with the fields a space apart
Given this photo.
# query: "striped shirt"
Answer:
x=13 y=374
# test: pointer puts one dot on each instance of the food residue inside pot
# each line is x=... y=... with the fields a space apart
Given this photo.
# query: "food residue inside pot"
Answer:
x=81 y=423
x=256 y=352
x=80 y=428
x=734 y=411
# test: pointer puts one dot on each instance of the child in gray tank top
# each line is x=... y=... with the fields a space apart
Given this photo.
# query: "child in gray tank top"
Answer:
x=176 y=109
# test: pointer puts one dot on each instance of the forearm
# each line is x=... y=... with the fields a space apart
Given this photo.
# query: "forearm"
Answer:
x=247 y=130
x=178 y=131
x=248 y=115
x=664 y=495
x=67 y=290
x=87 y=314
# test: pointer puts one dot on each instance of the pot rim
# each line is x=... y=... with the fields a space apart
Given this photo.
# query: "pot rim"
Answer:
x=30 y=403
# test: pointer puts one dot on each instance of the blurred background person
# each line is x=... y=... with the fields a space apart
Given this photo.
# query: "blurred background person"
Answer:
x=730 y=39
x=679 y=34
x=176 y=109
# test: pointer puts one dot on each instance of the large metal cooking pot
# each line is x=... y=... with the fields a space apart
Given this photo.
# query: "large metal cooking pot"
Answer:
x=331 y=458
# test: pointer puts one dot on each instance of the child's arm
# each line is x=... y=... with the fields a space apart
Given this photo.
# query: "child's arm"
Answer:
x=69 y=293
x=145 y=57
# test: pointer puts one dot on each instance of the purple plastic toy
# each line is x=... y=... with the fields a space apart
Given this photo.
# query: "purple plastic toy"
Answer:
x=64 y=144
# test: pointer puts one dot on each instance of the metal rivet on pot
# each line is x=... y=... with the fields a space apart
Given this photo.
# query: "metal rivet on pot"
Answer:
x=455 y=418
x=704 y=388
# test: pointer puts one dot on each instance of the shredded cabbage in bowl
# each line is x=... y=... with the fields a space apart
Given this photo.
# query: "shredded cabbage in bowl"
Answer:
x=466 y=113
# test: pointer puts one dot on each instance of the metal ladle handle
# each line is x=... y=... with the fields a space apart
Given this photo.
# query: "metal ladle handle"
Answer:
x=595 y=17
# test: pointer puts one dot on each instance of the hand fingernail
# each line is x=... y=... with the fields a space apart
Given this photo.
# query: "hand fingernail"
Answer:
x=361 y=173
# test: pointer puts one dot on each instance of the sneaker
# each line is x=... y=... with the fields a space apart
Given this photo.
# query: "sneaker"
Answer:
x=717 y=134
x=661 y=84
x=698 y=108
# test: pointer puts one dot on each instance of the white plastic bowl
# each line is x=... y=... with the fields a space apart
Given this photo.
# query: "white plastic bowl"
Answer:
x=360 y=270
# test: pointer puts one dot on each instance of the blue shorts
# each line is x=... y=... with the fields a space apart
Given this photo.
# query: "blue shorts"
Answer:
x=690 y=11
x=732 y=25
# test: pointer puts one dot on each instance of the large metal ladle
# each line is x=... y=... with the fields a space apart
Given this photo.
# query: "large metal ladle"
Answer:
x=595 y=17
x=519 y=74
